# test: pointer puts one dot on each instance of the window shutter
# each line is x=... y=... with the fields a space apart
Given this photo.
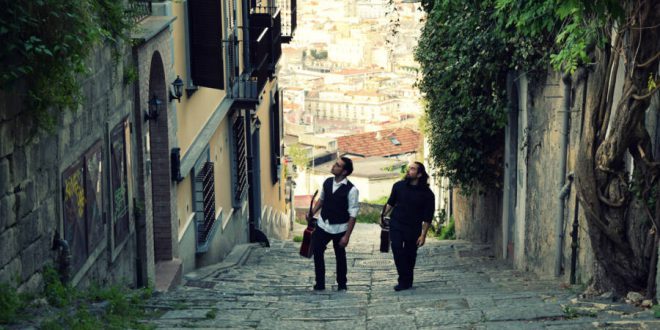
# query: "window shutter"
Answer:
x=205 y=202
x=206 y=43
x=240 y=159
x=275 y=137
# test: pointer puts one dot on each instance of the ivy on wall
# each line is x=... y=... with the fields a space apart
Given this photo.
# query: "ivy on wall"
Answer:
x=46 y=44
x=465 y=52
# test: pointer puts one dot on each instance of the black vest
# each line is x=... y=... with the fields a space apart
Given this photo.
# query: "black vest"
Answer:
x=335 y=206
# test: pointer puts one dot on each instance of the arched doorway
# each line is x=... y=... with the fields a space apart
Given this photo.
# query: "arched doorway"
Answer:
x=158 y=143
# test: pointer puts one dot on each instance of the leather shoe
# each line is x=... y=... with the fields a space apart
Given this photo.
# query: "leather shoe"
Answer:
x=319 y=287
x=342 y=287
x=400 y=287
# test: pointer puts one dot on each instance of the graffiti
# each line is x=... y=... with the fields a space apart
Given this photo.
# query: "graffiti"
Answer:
x=73 y=189
x=120 y=202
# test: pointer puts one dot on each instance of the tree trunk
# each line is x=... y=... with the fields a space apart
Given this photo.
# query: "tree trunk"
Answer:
x=617 y=216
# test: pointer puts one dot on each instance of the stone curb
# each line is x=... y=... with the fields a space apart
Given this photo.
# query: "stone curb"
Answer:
x=236 y=257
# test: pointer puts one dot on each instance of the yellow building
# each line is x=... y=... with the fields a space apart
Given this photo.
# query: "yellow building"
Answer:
x=211 y=137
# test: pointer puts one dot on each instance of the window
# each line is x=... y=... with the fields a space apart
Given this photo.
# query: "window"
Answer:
x=205 y=35
x=204 y=197
x=239 y=159
x=275 y=135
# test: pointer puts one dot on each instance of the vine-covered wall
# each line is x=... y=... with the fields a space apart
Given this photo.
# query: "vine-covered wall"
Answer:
x=75 y=183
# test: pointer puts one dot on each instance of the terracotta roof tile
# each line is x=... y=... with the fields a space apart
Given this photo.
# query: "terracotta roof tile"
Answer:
x=387 y=142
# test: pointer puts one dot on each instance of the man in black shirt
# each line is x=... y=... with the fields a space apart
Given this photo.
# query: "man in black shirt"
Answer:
x=412 y=205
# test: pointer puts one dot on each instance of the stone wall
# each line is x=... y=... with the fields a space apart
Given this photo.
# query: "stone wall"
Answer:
x=477 y=217
x=31 y=174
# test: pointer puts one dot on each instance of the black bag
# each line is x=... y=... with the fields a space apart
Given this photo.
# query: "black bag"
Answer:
x=385 y=235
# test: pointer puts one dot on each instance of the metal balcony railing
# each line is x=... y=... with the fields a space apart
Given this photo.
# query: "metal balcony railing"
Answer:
x=139 y=9
x=289 y=18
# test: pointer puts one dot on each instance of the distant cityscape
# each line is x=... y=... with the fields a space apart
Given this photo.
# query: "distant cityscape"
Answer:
x=349 y=75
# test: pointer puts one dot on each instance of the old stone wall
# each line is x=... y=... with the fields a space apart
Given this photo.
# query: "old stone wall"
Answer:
x=477 y=217
x=37 y=168
x=543 y=135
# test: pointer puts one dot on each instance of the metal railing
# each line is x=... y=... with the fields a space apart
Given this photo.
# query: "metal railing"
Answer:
x=139 y=9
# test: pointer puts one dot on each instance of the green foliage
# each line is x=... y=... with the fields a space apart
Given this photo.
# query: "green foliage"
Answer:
x=56 y=293
x=465 y=52
x=369 y=217
x=10 y=304
x=447 y=231
x=464 y=65
x=212 y=314
x=297 y=239
x=656 y=311
x=46 y=44
x=112 y=307
x=574 y=25
x=378 y=201
x=319 y=55
x=299 y=156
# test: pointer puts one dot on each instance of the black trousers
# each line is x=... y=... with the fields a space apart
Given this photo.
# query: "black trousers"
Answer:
x=320 y=239
x=404 y=249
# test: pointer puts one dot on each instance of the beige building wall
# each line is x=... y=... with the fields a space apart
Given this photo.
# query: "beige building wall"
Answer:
x=194 y=111
x=221 y=157
x=271 y=194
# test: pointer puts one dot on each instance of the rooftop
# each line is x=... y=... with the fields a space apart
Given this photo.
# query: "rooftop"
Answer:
x=388 y=142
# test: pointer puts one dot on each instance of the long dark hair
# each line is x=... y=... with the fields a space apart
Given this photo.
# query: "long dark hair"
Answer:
x=424 y=179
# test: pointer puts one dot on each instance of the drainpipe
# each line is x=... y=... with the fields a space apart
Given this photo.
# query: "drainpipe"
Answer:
x=574 y=243
x=63 y=257
x=564 y=186
x=510 y=165
x=250 y=174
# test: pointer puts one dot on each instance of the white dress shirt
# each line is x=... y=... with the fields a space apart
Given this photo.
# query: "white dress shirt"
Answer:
x=353 y=208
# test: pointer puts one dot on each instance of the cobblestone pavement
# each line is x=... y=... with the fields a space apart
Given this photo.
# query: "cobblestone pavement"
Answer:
x=458 y=285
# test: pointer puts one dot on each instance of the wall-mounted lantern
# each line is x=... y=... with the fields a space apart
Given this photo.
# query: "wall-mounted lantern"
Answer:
x=177 y=91
x=154 y=108
x=257 y=123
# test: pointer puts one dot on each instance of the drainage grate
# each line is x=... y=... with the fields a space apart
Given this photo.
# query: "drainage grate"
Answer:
x=200 y=284
x=374 y=263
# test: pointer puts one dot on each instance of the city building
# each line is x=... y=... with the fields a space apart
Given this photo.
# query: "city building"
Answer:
x=162 y=173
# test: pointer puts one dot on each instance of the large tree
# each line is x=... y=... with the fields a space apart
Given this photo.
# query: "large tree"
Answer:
x=593 y=37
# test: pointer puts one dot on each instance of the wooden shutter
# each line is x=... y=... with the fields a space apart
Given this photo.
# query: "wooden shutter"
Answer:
x=275 y=136
x=206 y=43
x=240 y=166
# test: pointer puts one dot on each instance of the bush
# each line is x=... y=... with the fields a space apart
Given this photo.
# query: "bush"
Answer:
x=371 y=217
x=447 y=231
x=10 y=304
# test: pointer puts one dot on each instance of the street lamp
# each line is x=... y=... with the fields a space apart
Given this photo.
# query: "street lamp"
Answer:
x=154 y=108
x=177 y=84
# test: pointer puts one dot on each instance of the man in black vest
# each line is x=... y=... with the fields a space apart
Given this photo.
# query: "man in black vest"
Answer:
x=339 y=207
x=412 y=203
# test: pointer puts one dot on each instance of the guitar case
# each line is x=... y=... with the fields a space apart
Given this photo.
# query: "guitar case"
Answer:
x=306 y=246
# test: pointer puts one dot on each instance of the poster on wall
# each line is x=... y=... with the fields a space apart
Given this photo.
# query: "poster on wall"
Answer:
x=94 y=196
x=119 y=183
x=74 y=209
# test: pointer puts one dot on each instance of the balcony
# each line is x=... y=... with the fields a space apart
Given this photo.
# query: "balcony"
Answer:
x=138 y=10
x=265 y=38
x=245 y=91
x=289 y=19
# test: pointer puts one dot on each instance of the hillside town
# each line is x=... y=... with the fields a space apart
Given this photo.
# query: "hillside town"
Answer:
x=347 y=82
x=330 y=164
